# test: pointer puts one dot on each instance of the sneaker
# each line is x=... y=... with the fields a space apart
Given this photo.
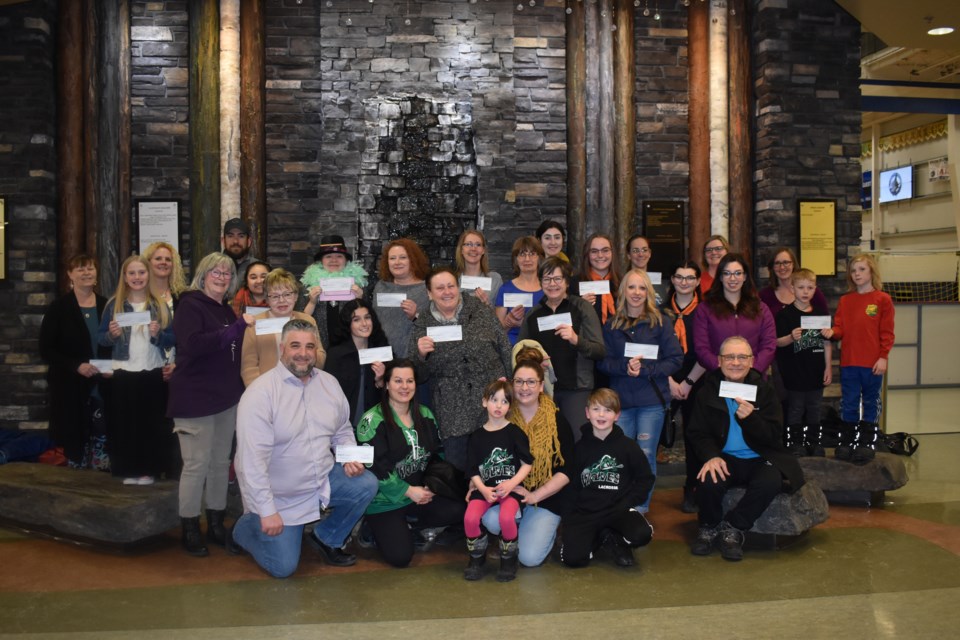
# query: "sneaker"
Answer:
x=730 y=542
x=619 y=549
x=144 y=481
x=703 y=545
x=130 y=481
x=424 y=539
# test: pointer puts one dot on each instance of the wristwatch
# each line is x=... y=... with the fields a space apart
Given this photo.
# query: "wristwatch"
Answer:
x=688 y=381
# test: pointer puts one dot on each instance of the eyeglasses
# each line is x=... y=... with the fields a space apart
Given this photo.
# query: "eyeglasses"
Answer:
x=736 y=357
x=551 y=279
x=604 y=251
x=224 y=275
x=732 y=274
x=783 y=263
x=641 y=250
x=684 y=278
x=473 y=245
x=517 y=382
x=277 y=297
x=527 y=253
x=714 y=249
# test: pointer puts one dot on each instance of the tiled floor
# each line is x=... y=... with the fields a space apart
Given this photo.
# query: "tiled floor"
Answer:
x=866 y=573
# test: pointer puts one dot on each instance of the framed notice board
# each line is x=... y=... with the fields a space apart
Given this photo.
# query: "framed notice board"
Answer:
x=158 y=221
x=818 y=236
x=663 y=228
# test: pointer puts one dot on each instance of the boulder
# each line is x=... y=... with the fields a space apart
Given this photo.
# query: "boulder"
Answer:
x=790 y=514
x=85 y=505
x=884 y=473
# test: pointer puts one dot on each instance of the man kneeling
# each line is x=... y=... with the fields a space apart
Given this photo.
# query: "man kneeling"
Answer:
x=742 y=442
x=287 y=421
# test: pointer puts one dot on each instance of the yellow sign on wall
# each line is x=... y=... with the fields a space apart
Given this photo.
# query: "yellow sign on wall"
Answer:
x=818 y=236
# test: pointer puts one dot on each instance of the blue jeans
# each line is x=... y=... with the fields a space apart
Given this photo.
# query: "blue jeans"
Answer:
x=857 y=383
x=538 y=530
x=279 y=555
x=643 y=424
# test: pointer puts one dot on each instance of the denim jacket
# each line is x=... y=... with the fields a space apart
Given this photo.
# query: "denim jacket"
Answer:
x=121 y=346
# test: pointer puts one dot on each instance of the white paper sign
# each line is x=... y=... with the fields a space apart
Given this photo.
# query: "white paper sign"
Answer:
x=390 y=299
x=255 y=311
x=269 y=326
x=446 y=333
x=377 y=354
x=550 y=323
x=476 y=282
x=738 y=390
x=815 y=322
x=596 y=287
x=655 y=277
x=103 y=366
x=336 y=289
x=645 y=351
x=132 y=318
x=511 y=300
x=347 y=453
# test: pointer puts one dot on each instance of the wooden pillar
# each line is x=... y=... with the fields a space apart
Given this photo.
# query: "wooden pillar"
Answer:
x=626 y=129
x=698 y=118
x=91 y=133
x=124 y=207
x=253 y=175
x=741 y=162
x=719 y=121
x=592 y=89
x=204 y=127
x=606 y=169
x=71 y=226
x=229 y=109
x=576 y=129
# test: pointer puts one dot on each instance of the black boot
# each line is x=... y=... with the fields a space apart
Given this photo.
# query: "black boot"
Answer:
x=477 y=547
x=216 y=532
x=865 y=447
x=845 y=440
x=619 y=549
x=689 y=504
x=192 y=540
x=793 y=439
x=813 y=439
x=508 y=560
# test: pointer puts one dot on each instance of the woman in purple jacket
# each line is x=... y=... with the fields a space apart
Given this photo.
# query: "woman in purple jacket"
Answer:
x=204 y=391
x=732 y=308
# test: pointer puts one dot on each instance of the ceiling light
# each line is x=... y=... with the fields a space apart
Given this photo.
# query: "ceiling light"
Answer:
x=940 y=31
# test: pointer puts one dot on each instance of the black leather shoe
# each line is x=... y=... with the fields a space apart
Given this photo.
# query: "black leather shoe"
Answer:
x=191 y=540
x=231 y=545
x=333 y=557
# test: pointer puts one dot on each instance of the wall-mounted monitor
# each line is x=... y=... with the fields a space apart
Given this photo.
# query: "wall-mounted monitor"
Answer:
x=896 y=184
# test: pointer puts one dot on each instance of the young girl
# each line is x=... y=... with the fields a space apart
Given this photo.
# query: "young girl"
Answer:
x=136 y=428
x=499 y=457
x=252 y=293
x=864 y=326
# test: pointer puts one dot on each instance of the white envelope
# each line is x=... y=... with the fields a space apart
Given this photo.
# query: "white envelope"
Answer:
x=511 y=300
x=815 y=322
x=655 y=277
x=353 y=453
x=476 y=282
x=645 y=351
x=255 y=311
x=551 y=322
x=596 y=287
x=269 y=326
x=132 y=318
x=746 y=392
x=390 y=299
x=377 y=354
x=446 y=333
x=336 y=289
x=103 y=366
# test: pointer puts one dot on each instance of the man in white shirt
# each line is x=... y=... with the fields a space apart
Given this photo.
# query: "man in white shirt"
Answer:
x=287 y=422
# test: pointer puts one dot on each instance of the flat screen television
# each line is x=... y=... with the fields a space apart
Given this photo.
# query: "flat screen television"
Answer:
x=896 y=184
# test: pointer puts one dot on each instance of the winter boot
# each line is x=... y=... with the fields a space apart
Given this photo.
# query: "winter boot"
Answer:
x=730 y=541
x=477 y=547
x=216 y=532
x=619 y=549
x=813 y=439
x=865 y=446
x=192 y=540
x=793 y=439
x=508 y=560
x=845 y=441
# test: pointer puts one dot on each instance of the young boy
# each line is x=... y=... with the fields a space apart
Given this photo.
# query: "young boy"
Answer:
x=612 y=475
x=803 y=358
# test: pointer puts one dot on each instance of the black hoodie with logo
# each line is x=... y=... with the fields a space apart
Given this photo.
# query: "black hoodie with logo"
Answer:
x=610 y=474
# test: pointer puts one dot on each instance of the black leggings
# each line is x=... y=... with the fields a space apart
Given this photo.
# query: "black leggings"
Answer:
x=395 y=539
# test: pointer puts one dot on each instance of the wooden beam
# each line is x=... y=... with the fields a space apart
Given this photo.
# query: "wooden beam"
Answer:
x=106 y=169
x=124 y=159
x=592 y=89
x=576 y=129
x=741 y=160
x=91 y=115
x=626 y=129
x=204 y=20
x=606 y=135
x=698 y=118
x=71 y=229
x=253 y=173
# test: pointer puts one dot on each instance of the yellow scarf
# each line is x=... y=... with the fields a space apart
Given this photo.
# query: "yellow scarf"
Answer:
x=544 y=442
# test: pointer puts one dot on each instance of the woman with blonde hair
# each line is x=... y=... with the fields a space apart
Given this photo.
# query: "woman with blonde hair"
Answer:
x=470 y=258
x=714 y=249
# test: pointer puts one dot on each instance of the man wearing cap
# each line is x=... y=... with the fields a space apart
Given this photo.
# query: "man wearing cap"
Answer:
x=236 y=244
x=332 y=260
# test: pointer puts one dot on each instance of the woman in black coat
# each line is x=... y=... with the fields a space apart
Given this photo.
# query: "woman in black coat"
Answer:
x=67 y=344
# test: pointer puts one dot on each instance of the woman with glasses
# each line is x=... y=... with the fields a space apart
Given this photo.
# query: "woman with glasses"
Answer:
x=569 y=331
x=638 y=257
x=204 y=391
x=551 y=445
x=261 y=350
x=525 y=256
x=470 y=257
x=732 y=308
x=779 y=291
x=361 y=383
x=598 y=263
x=713 y=251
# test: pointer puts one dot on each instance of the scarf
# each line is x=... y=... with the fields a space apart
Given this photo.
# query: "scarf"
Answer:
x=678 y=327
x=607 y=305
x=315 y=272
x=544 y=442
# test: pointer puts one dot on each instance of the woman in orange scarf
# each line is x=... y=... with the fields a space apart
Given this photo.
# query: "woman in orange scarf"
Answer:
x=598 y=263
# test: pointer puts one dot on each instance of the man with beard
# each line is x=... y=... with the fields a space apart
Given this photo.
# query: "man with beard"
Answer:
x=287 y=423
x=236 y=244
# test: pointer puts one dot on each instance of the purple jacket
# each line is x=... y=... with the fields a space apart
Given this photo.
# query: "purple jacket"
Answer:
x=206 y=379
x=710 y=332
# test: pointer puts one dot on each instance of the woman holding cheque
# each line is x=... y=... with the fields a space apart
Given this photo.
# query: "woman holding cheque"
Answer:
x=642 y=352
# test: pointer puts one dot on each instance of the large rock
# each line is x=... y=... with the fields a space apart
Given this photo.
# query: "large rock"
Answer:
x=85 y=505
x=884 y=473
x=789 y=514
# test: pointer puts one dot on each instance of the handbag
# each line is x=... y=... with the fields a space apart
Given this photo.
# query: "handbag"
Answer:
x=444 y=479
x=668 y=432
x=900 y=443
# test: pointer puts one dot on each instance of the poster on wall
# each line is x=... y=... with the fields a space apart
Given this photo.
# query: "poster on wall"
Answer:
x=663 y=228
x=158 y=221
x=3 y=239
x=818 y=236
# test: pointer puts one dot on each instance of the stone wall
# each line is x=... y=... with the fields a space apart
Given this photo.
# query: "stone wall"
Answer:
x=28 y=165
